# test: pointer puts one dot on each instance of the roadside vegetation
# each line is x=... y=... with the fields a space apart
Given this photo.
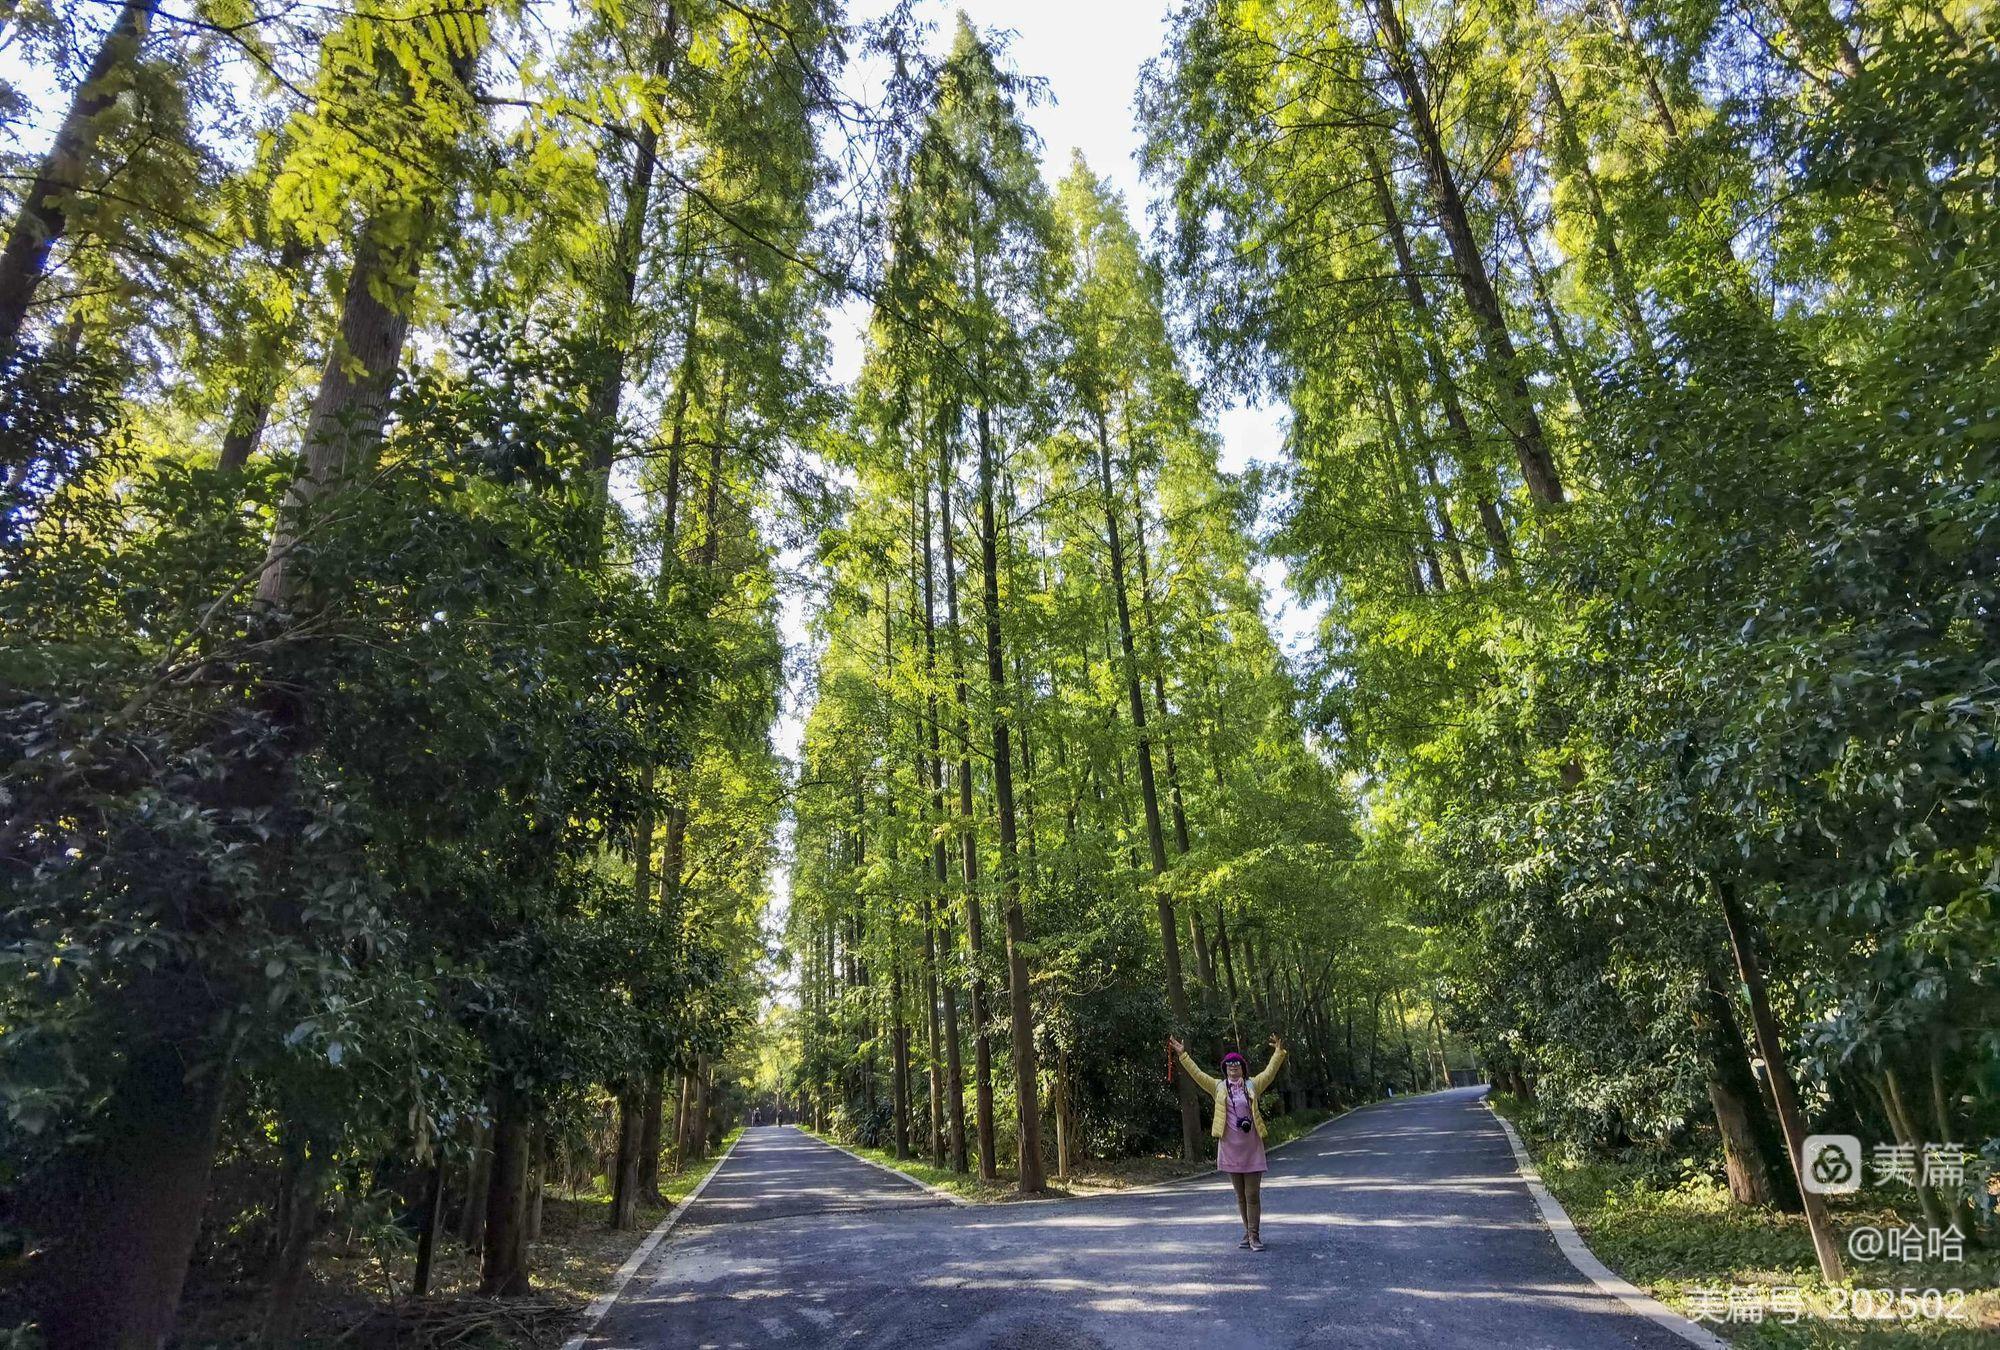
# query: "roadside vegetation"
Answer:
x=1665 y=1220
x=358 y=1293
x=415 y=416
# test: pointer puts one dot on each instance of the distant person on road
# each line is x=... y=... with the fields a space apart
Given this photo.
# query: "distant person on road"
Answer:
x=1239 y=1125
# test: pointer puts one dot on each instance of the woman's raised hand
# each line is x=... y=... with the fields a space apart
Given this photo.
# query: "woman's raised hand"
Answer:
x=1276 y=1044
x=1175 y=1046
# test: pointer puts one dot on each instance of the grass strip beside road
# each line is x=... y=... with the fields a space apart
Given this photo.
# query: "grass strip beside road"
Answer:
x=577 y=1254
x=1672 y=1229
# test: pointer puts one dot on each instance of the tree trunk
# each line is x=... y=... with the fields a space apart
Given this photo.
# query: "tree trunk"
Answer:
x=1470 y=460
x=345 y=424
x=1771 y=1045
x=1409 y=1051
x=954 y=1089
x=625 y=1181
x=420 y=1284
x=642 y=841
x=899 y=1055
x=711 y=525
x=44 y=215
x=1523 y=422
x=933 y=1066
x=649 y=1140
x=116 y=1221
x=1347 y=1017
x=538 y=1175
x=1062 y=1115
x=478 y=1181
x=351 y=405
x=505 y=1269
x=700 y=1122
x=954 y=1072
x=686 y=1104
x=1204 y=964
x=1228 y=969
x=1623 y=292
x=1447 y=531
x=627 y=253
x=1753 y=1155
x=982 y=1065
x=1579 y=386
x=1374 y=1078
x=247 y=420
x=1661 y=108
x=1175 y=801
x=1903 y=1124
x=1026 y=1091
x=298 y=1220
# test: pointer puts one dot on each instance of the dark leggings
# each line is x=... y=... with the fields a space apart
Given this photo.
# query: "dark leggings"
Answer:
x=1249 y=1199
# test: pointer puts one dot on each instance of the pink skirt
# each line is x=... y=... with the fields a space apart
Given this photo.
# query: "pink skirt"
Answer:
x=1240 y=1150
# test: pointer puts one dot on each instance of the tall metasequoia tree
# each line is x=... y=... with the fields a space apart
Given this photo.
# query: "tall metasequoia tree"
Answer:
x=44 y=215
x=1442 y=379
x=640 y=1102
x=1026 y=1088
x=975 y=924
x=121 y=1215
x=1120 y=339
x=974 y=180
x=1204 y=959
x=954 y=1070
x=928 y=812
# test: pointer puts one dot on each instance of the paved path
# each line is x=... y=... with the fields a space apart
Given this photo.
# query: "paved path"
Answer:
x=1401 y=1225
x=776 y=1172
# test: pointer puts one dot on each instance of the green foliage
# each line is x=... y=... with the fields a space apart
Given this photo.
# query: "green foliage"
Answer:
x=1752 y=652
x=1038 y=329
x=1639 y=363
x=1668 y=1224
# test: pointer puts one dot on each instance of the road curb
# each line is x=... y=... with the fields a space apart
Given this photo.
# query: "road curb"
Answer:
x=601 y=1305
x=1572 y=1246
x=884 y=1167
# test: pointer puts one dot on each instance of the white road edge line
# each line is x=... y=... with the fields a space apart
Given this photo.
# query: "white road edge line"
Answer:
x=601 y=1305
x=884 y=1167
x=1572 y=1245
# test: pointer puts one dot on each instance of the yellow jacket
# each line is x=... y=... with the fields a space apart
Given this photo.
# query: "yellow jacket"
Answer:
x=1215 y=1090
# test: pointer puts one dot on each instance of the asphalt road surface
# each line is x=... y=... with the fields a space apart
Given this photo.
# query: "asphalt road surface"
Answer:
x=1403 y=1224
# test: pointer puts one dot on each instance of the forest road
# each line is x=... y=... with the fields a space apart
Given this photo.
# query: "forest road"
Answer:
x=1403 y=1224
